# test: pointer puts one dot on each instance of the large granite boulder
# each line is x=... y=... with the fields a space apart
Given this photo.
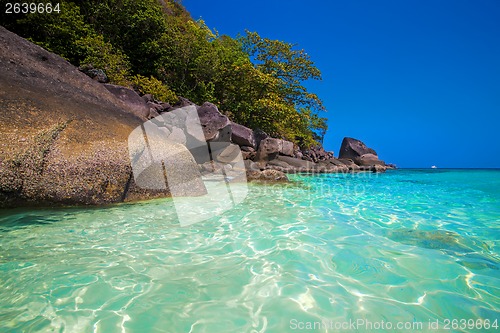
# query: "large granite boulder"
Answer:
x=216 y=126
x=300 y=165
x=131 y=98
x=242 y=136
x=259 y=135
x=269 y=149
x=357 y=151
x=367 y=160
x=286 y=148
x=63 y=136
x=353 y=148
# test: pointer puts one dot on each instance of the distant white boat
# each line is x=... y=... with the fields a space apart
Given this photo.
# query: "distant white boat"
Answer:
x=434 y=167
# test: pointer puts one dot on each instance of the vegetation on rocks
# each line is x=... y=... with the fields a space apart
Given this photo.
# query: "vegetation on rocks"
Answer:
x=157 y=48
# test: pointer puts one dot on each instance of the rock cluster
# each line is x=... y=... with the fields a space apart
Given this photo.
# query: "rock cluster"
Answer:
x=267 y=153
x=64 y=132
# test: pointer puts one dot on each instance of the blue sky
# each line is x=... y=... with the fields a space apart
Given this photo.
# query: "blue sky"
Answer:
x=418 y=81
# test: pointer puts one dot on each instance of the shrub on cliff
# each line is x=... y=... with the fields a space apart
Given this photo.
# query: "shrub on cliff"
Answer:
x=155 y=87
x=101 y=54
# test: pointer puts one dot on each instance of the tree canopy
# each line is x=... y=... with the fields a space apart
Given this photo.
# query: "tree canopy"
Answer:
x=156 y=47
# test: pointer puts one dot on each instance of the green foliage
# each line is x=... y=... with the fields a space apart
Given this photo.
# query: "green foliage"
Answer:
x=101 y=54
x=155 y=87
x=289 y=67
x=56 y=32
x=188 y=62
x=157 y=48
x=282 y=61
x=133 y=26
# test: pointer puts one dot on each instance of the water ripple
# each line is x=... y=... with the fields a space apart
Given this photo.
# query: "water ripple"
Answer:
x=396 y=247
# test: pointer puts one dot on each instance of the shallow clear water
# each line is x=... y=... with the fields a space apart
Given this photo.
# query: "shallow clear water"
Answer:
x=408 y=246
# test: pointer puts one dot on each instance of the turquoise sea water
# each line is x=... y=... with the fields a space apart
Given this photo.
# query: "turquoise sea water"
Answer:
x=404 y=248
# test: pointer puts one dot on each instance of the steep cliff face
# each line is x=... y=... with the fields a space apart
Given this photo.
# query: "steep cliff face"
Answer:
x=63 y=136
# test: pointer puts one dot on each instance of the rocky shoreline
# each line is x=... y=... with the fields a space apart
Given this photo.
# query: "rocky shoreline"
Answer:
x=259 y=150
x=63 y=137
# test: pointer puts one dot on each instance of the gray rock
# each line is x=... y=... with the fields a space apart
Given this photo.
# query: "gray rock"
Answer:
x=307 y=155
x=213 y=122
x=286 y=148
x=247 y=149
x=157 y=107
x=247 y=155
x=259 y=136
x=165 y=107
x=210 y=167
x=368 y=160
x=242 y=136
x=224 y=135
x=191 y=125
x=269 y=149
x=316 y=153
x=325 y=166
x=346 y=161
x=250 y=165
x=336 y=162
x=349 y=163
x=298 y=154
x=148 y=98
x=160 y=157
x=281 y=164
x=359 y=153
x=131 y=98
x=229 y=154
x=378 y=168
x=353 y=148
x=300 y=165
